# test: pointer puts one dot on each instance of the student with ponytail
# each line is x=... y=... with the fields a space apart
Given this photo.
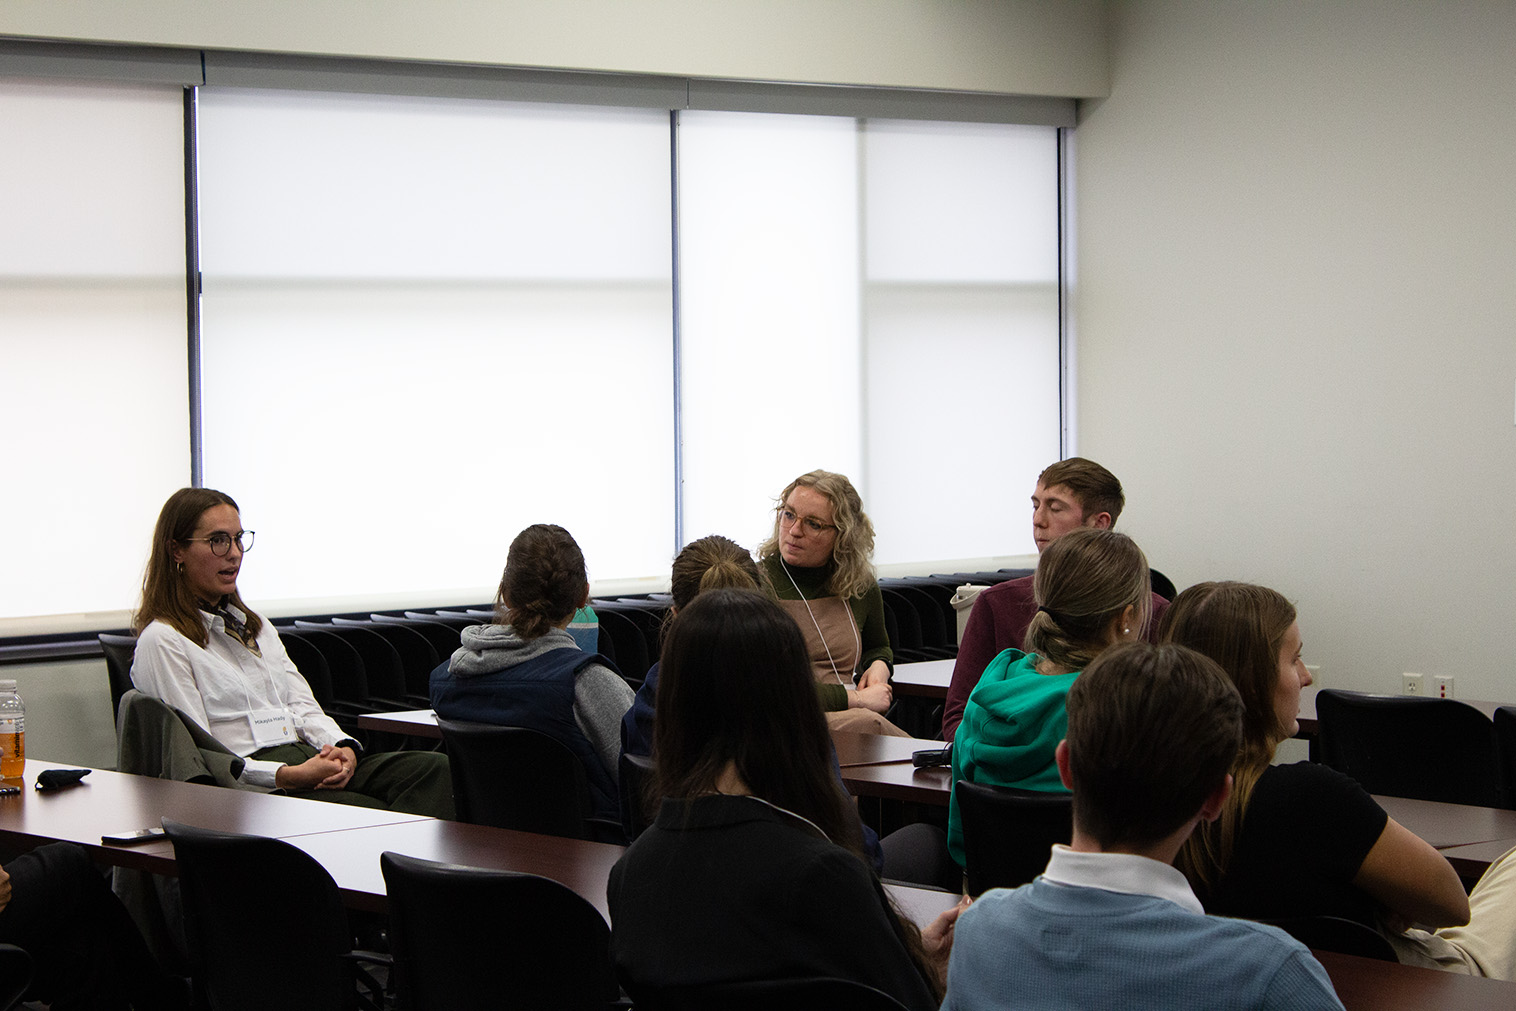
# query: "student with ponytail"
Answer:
x=525 y=670
x=1091 y=588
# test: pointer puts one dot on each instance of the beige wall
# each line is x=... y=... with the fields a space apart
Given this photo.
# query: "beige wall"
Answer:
x=1033 y=47
x=1296 y=312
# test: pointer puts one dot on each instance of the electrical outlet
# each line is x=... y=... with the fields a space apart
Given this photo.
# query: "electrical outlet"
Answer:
x=1315 y=669
x=1412 y=684
x=1442 y=686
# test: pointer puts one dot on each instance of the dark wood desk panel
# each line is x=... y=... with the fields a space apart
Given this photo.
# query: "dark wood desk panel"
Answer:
x=1307 y=718
x=1445 y=825
x=926 y=678
x=411 y=722
x=352 y=856
x=899 y=781
x=108 y=802
x=1366 y=984
x=877 y=749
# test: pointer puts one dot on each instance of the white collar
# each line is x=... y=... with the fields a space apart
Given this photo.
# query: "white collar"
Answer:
x=1121 y=872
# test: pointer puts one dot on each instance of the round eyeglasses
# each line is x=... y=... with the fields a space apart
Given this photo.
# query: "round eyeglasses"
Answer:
x=787 y=518
x=221 y=542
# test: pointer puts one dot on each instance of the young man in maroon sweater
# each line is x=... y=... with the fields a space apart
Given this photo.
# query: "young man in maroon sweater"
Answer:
x=1070 y=494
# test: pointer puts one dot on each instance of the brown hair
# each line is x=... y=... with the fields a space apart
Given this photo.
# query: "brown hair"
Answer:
x=1084 y=580
x=711 y=563
x=853 y=572
x=165 y=597
x=1153 y=731
x=735 y=687
x=544 y=581
x=1093 y=487
x=1242 y=627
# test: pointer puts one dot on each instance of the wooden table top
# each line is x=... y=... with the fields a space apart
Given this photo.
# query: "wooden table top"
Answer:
x=900 y=781
x=1446 y=825
x=925 y=678
x=108 y=802
x=411 y=722
x=877 y=749
x=352 y=856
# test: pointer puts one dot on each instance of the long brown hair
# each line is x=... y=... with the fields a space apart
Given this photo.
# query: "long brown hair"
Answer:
x=1084 y=580
x=735 y=687
x=544 y=581
x=165 y=595
x=853 y=571
x=1242 y=627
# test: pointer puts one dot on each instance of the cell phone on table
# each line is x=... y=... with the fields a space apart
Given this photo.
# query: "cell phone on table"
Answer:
x=141 y=835
x=932 y=758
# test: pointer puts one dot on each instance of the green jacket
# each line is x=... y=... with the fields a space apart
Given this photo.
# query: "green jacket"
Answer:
x=1011 y=727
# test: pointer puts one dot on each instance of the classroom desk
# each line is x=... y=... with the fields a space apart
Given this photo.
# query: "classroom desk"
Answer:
x=924 y=679
x=410 y=722
x=877 y=749
x=900 y=781
x=352 y=856
x=1447 y=825
x=106 y=802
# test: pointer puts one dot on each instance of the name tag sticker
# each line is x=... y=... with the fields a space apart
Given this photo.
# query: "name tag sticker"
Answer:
x=271 y=727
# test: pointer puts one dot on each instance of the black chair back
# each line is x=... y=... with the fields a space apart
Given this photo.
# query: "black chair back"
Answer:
x=1161 y=584
x=444 y=638
x=311 y=663
x=1404 y=746
x=512 y=777
x=119 y=651
x=1008 y=833
x=383 y=671
x=819 y=994
x=418 y=657
x=637 y=809
x=1334 y=933
x=631 y=645
x=1505 y=742
x=264 y=921
x=466 y=938
x=15 y=975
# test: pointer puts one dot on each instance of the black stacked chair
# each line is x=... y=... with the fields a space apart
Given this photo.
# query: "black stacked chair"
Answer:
x=383 y=670
x=1404 y=746
x=313 y=666
x=630 y=644
x=935 y=637
x=418 y=657
x=513 y=777
x=265 y=924
x=443 y=638
x=904 y=627
x=465 y=938
x=1008 y=833
x=15 y=975
x=452 y=619
x=119 y=650
x=1161 y=584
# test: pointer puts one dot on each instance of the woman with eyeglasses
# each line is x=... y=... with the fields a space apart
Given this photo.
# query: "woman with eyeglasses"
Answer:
x=818 y=564
x=202 y=650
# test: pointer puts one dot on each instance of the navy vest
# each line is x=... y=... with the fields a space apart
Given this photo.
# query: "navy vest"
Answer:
x=537 y=694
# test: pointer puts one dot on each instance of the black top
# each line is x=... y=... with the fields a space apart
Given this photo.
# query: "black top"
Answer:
x=1304 y=835
x=728 y=889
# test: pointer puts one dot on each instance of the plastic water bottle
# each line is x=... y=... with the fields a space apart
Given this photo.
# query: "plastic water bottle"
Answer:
x=12 y=731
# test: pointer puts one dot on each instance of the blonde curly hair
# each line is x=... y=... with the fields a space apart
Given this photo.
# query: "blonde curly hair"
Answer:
x=852 y=572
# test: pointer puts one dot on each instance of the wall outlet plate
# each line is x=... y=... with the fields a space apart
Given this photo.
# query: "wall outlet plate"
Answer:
x=1412 y=684
x=1442 y=686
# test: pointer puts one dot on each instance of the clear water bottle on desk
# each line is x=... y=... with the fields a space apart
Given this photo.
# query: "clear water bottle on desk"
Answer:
x=12 y=731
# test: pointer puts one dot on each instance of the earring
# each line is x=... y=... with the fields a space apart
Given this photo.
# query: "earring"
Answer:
x=1126 y=631
x=179 y=568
